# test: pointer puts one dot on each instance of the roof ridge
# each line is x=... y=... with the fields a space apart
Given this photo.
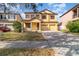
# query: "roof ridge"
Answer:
x=42 y=11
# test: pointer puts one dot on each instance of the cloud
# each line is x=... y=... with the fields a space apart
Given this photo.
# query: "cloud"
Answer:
x=50 y=4
x=59 y=8
x=60 y=5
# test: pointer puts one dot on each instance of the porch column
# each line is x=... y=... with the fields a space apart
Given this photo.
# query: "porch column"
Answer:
x=40 y=26
x=24 y=25
x=48 y=26
x=31 y=25
x=77 y=12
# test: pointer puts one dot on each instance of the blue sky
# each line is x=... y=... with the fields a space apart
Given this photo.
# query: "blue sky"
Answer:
x=59 y=8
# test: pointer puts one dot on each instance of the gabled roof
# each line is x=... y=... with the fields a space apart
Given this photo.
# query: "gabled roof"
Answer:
x=33 y=19
x=31 y=12
x=49 y=11
x=41 y=12
x=70 y=9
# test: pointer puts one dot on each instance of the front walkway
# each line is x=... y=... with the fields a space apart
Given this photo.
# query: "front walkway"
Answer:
x=62 y=43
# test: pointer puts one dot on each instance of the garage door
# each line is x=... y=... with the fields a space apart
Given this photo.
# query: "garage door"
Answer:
x=45 y=28
x=51 y=27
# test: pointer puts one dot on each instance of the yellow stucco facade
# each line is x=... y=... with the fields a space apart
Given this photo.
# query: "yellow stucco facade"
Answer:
x=45 y=22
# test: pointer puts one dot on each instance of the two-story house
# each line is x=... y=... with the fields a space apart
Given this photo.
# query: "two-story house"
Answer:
x=34 y=21
x=40 y=21
x=70 y=15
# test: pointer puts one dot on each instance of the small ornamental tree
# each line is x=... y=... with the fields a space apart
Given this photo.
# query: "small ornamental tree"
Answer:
x=73 y=26
x=17 y=26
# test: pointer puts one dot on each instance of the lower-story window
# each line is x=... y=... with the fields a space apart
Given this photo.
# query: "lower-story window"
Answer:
x=1 y=24
x=5 y=24
x=28 y=25
x=8 y=24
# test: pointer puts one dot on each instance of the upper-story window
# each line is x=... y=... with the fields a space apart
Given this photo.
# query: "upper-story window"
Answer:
x=52 y=17
x=37 y=15
x=1 y=17
x=7 y=16
x=11 y=16
x=43 y=16
x=27 y=16
x=4 y=16
x=32 y=16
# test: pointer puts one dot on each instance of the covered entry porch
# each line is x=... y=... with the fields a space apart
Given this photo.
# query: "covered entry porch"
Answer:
x=34 y=25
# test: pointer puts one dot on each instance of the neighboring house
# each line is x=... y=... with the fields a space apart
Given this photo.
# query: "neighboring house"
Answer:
x=40 y=21
x=70 y=15
x=7 y=19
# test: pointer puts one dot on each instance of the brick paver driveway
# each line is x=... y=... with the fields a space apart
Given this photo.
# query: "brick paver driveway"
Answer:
x=62 y=43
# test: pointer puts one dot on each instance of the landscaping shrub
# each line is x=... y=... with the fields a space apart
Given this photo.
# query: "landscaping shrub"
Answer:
x=73 y=26
x=65 y=30
x=17 y=26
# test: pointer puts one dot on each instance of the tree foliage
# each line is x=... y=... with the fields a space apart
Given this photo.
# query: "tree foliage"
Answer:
x=17 y=26
x=9 y=6
x=73 y=26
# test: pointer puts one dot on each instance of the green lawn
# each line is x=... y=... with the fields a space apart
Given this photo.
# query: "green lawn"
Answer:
x=14 y=36
x=26 y=52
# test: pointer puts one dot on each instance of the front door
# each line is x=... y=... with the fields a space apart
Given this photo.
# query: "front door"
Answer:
x=35 y=26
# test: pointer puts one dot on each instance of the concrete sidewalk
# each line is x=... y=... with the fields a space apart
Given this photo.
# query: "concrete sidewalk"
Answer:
x=24 y=44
